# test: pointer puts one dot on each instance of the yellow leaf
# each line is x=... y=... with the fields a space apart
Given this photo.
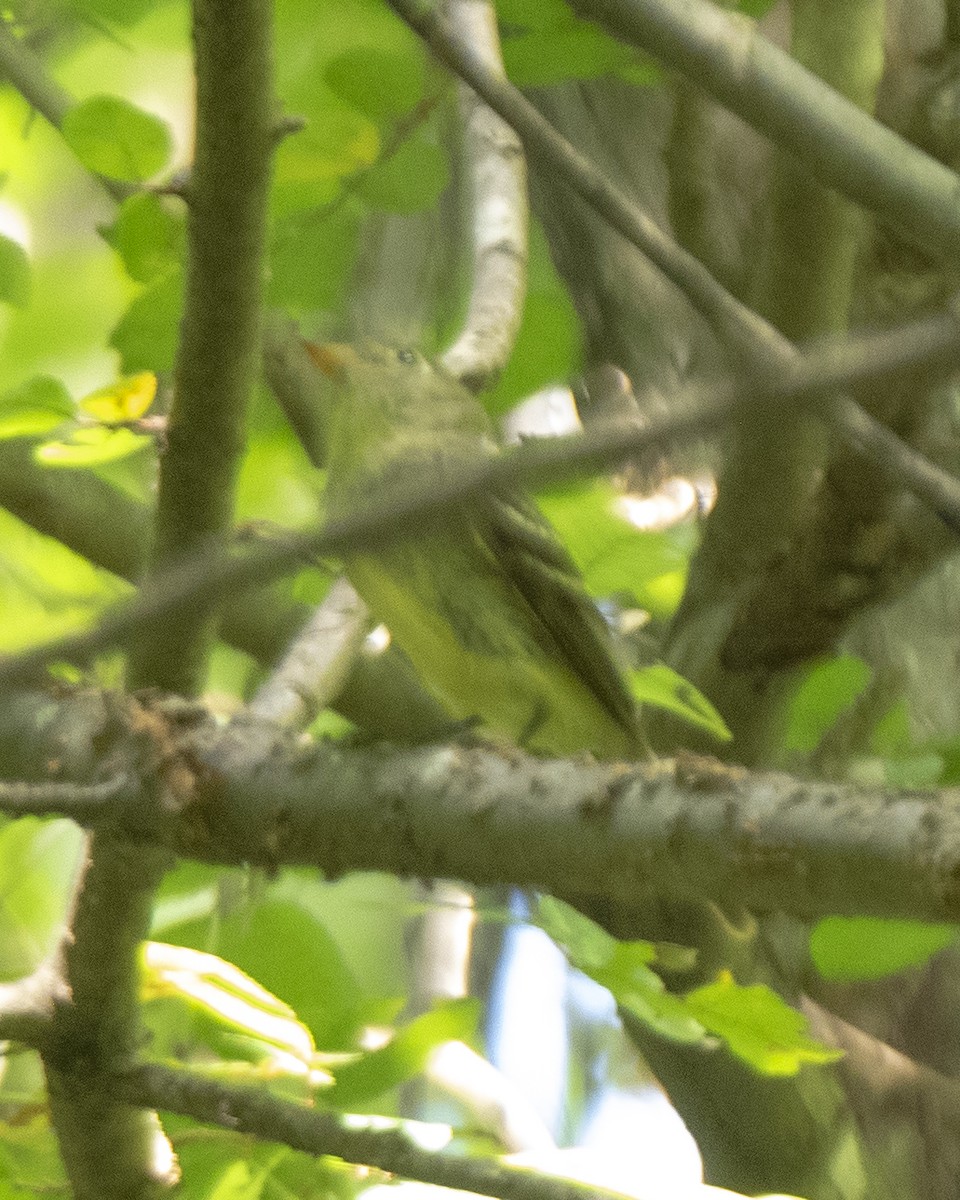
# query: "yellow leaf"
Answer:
x=125 y=400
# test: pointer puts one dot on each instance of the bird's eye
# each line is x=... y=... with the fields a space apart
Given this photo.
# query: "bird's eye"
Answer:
x=406 y=356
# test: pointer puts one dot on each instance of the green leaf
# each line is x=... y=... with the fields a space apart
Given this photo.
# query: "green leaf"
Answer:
x=846 y=948
x=116 y=12
x=45 y=589
x=534 y=14
x=92 y=447
x=14 y=273
x=580 y=51
x=148 y=236
x=379 y=83
x=614 y=556
x=623 y=968
x=226 y=997
x=643 y=72
x=827 y=690
x=338 y=142
x=408 y=181
x=546 y=350
x=290 y=952
x=311 y=259
x=146 y=334
x=585 y=943
x=35 y=407
x=758 y=1026
x=756 y=8
x=405 y=1055
x=891 y=735
x=662 y=687
x=113 y=137
x=921 y=770
x=38 y=863
x=125 y=399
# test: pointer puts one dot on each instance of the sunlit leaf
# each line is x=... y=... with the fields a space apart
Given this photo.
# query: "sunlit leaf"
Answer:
x=227 y=994
x=379 y=83
x=586 y=944
x=614 y=556
x=289 y=951
x=338 y=142
x=45 y=589
x=91 y=447
x=661 y=687
x=115 y=138
x=125 y=400
x=758 y=1026
x=547 y=350
x=35 y=407
x=14 y=273
x=623 y=968
x=847 y=948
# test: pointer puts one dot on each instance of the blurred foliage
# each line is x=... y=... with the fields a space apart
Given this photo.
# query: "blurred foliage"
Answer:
x=848 y=948
x=90 y=296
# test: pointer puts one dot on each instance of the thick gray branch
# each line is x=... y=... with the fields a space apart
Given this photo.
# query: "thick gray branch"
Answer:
x=689 y=828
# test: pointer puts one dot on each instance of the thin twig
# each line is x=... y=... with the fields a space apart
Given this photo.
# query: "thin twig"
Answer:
x=315 y=1131
x=25 y=71
x=82 y=801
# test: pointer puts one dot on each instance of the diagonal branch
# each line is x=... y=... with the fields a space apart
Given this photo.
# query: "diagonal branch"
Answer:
x=839 y=143
x=758 y=343
x=316 y=1131
x=211 y=573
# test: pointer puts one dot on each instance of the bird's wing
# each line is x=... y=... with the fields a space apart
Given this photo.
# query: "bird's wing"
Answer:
x=565 y=620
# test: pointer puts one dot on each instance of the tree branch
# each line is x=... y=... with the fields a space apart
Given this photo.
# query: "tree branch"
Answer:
x=315 y=667
x=218 y=353
x=691 y=828
x=840 y=144
x=315 y=1131
x=381 y=692
x=494 y=163
x=757 y=343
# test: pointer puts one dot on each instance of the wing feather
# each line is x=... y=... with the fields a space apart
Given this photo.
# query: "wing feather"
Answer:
x=565 y=620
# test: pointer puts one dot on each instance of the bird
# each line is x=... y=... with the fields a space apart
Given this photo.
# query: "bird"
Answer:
x=481 y=595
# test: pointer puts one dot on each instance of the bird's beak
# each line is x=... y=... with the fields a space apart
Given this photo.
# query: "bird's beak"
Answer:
x=332 y=358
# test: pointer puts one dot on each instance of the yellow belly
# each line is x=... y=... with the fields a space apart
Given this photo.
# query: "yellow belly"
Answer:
x=470 y=637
